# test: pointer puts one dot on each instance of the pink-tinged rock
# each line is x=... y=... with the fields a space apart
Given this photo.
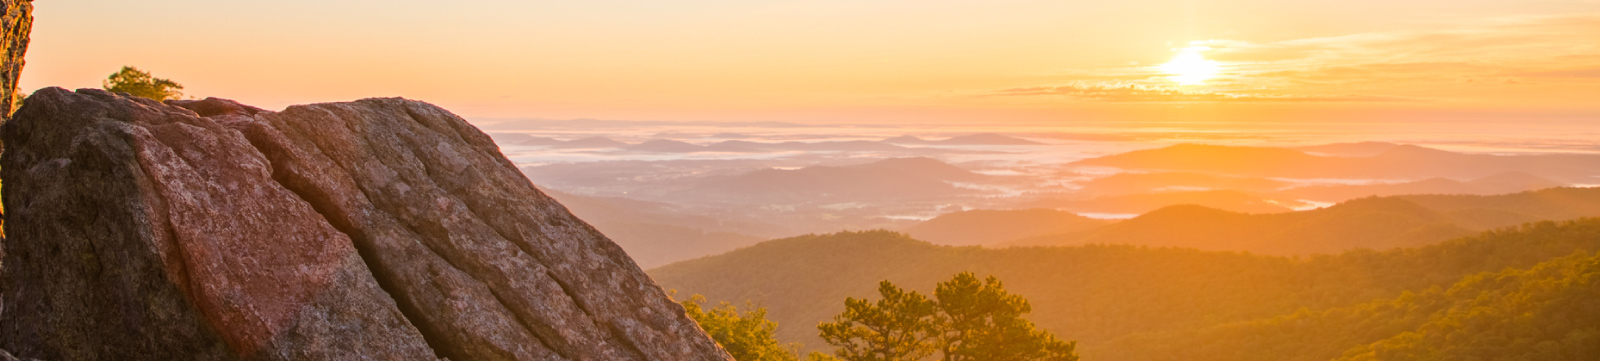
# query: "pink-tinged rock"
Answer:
x=375 y=229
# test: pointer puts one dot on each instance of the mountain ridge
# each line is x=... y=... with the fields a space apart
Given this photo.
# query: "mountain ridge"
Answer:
x=1100 y=293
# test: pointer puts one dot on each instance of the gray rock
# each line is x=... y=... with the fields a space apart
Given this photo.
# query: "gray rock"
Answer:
x=375 y=229
x=6 y=356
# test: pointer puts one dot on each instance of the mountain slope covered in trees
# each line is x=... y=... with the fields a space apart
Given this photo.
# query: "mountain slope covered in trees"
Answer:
x=1546 y=312
x=1110 y=297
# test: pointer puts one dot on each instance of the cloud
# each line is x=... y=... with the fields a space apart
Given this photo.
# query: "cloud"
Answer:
x=1548 y=46
x=1157 y=94
x=1573 y=73
x=1467 y=59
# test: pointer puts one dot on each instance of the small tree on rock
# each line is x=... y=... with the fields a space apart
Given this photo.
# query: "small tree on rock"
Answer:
x=141 y=84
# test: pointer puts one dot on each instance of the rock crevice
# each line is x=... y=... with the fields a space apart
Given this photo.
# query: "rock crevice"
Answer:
x=374 y=229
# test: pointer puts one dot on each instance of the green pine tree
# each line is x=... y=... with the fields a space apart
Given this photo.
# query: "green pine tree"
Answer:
x=981 y=321
x=900 y=327
x=968 y=320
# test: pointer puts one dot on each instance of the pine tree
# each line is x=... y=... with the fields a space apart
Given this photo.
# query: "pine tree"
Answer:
x=981 y=321
x=969 y=320
x=900 y=327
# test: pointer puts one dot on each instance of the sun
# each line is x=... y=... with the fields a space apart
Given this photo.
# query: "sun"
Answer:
x=1189 y=67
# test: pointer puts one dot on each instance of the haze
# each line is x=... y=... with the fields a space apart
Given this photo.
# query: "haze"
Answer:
x=816 y=180
x=956 y=62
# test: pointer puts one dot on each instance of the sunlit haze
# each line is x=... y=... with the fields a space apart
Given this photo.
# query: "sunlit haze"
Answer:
x=1191 y=67
x=1034 y=62
x=785 y=180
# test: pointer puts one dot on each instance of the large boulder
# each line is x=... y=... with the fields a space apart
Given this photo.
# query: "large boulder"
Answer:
x=381 y=229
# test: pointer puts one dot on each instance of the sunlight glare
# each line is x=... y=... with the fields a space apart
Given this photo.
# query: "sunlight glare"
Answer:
x=1189 y=67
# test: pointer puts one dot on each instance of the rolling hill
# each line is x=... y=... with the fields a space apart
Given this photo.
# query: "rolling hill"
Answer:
x=655 y=234
x=1379 y=223
x=1124 y=300
x=980 y=227
x=1515 y=208
x=1135 y=183
x=1135 y=204
x=970 y=139
x=1374 y=222
x=1357 y=149
x=1509 y=182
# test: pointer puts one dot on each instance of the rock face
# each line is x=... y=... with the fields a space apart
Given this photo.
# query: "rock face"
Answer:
x=382 y=229
x=16 y=21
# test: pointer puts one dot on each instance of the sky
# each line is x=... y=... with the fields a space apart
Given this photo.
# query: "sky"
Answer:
x=1481 y=62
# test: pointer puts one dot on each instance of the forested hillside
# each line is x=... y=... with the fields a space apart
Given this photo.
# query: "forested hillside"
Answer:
x=1547 y=313
x=1373 y=222
x=1109 y=298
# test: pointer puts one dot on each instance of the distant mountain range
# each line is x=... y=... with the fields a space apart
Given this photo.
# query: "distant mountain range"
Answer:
x=524 y=139
x=1138 y=193
x=1249 y=211
x=1375 y=223
x=1158 y=182
x=1510 y=289
x=1508 y=182
x=1399 y=161
x=978 y=227
x=1140 y=203
x=742 y=146
x=656 y=234
x=1358 y=149
x=971 y=139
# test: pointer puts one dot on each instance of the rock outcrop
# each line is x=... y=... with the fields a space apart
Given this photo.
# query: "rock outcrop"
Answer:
x=383 y=229
x=6 y=356
x=16 y=22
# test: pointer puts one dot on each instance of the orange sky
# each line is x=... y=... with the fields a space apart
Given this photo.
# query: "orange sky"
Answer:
x=855 y=61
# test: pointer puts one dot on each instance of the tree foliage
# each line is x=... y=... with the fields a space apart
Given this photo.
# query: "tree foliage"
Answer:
x=899 y=327
x=747 y=336
x=967 y=320
x=1546 y=312
x=141 y=84
x=981 y=321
